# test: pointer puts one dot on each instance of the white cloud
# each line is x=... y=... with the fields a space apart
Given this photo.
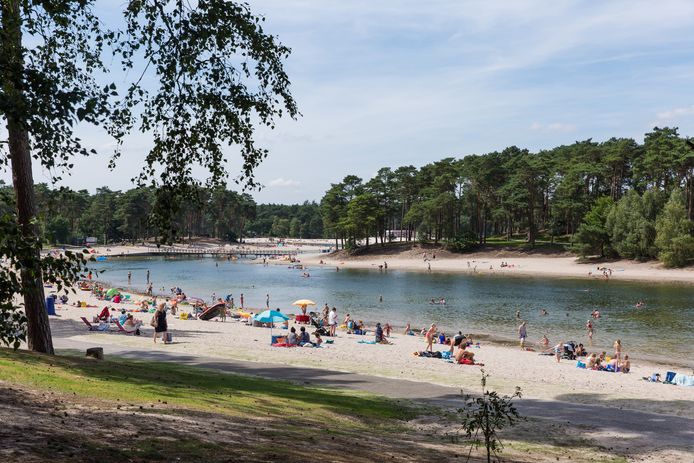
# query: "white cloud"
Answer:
x=283 y=182
x=674 y=114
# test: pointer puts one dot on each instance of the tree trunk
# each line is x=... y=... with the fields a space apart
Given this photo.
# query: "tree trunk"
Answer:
x=38 y=327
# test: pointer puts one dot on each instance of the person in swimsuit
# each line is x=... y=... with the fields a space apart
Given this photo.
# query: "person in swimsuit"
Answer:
x=522 y=334
x=430 y=334
x=618 y=349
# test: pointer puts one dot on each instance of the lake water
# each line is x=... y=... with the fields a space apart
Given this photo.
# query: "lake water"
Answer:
x=475 y=303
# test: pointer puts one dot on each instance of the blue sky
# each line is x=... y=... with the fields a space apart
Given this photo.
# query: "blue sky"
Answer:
x=390 y=83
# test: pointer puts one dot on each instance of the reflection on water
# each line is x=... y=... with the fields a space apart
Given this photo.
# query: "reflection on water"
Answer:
x=481 y=304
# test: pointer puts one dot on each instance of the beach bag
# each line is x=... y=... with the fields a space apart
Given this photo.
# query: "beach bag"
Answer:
x=153 y=322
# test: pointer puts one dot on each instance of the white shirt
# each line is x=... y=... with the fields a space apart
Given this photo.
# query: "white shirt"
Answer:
x=332 y=318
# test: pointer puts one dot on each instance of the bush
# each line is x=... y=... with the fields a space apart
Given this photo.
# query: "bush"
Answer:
x=464 y=242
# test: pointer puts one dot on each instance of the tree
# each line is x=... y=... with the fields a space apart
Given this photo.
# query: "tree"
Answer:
x=592 y=235
x=632 y=231
x=58 y=230
x=674 y=232
x=213 y=72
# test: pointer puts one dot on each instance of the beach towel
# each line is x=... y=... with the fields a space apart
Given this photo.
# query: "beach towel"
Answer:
x=683 y=380
x=580 y=364
x=669 y=376
x=367 y=342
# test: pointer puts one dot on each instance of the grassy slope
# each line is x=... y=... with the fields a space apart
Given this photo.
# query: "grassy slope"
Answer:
x=124 y=410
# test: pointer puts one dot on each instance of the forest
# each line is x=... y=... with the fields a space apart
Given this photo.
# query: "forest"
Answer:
x=66 y=216
x=617 y=198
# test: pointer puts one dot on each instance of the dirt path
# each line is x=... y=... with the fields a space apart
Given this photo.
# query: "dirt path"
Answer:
x=638 y=435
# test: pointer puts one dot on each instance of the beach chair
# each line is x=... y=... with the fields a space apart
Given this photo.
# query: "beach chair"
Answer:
x=89 y=325
x=121 y=329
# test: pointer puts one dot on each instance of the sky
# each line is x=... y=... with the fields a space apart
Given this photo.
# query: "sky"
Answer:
x=390 y=83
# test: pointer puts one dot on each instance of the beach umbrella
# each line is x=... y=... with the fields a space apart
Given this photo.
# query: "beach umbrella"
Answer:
x=270 y=316
x=112 y=292
x=303 y=302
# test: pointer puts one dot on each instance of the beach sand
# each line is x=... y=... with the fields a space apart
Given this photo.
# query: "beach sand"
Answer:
x=540 y=377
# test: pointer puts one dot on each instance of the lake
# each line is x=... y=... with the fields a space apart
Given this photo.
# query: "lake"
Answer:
x=663 y=329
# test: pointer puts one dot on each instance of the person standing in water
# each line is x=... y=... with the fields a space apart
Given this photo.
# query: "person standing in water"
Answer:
x=522 y=334
x=267 y=301
x=618 y=349
x=589 y=327
x=241 y=300
x=147 y=275
x=130 y=277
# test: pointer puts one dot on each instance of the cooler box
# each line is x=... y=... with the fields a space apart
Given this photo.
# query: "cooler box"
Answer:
x=50 y=306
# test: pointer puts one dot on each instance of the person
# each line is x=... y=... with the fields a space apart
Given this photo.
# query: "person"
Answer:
x=149 y=289
x=625 y=365
x=159 y=323
x=123 y=316
x=89 y=275
x=429 y=336
x=104 y=315
x=580 y=351
x=332 y=321
x=319 y=340
x=589 y=327
x=464 y=356
x=558 y=350
x=544 y=342
x=63 y=299
x=457 y=340
x=380 y=337
x=130 y=277
x=304 y=337
x=543 y=312
x=241 y=300
x=131 y=325
x=148 y=276
x=267 y=301
x=517 y=314
x=292 y=339
x=592 y=361
x=618 y=349
x=325 y=312
x=386 y=329
x=408 y=330
x=380 y=298
x=429 y=266
x=522 y=334
x=348 y=322
x=385 y=265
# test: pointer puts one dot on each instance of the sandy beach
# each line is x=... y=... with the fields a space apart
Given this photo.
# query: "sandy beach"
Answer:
x=540 y=377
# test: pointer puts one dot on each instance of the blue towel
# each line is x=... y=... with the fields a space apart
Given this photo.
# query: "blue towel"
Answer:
x=445 y=355
x=367 y=342
x=669 y=376
x=683 y=380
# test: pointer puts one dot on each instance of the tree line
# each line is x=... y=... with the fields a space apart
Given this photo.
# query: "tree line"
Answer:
x=616 y=198
x=66 y=216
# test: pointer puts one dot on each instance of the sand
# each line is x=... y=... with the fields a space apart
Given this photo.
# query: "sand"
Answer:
x=490 y=264
x=540 y=377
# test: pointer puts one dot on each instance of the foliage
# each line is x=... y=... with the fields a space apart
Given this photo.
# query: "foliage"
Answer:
x=198 y=77
x=632 y=227
x=487 y=415
x=465 y=241
x=674 y=232
x=15 y=250
x=592 y=236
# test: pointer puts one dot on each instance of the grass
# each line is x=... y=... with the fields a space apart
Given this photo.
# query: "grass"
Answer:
x=195 y=388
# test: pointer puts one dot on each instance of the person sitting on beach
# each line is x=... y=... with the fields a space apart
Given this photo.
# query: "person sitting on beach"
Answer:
x=348 y=322
x=63 y=299
x=304 y=337
x=592 y=361
x=131 y=325
x=464 y=356
x=292 y=339
x=123 y=316
x=380 y=338
x=104 y=315
x=408 y=330
x=544 y=342
x=580 y=351
x=318 y=340
x=625 y=365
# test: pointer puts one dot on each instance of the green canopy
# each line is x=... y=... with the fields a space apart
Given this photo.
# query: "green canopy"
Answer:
x=112 y=292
